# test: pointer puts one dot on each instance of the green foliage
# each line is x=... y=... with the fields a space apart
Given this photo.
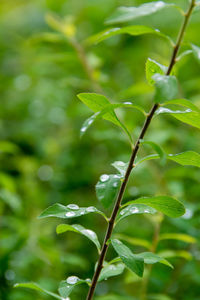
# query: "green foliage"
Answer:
x=135 y=209
x=131 y=261
x=153 y=68
x=36 y=287
x=67 y=286
x=67 y=212
x=52 y=51
x=124 y=14
x=166 y=87
x=91 y=235
x=106 y=188
x=111 y=270
x=134 y=30
x=165 y=204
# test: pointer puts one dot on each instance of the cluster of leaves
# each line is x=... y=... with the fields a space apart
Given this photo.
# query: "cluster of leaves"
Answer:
x=167 y=95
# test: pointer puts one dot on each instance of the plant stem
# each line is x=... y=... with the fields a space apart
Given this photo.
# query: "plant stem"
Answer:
x=132 y=160
x=86 y=66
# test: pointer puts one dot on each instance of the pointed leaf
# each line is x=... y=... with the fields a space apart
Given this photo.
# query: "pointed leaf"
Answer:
x=124 y=14
x=131 y=261
x=107 y=188
x=107 y=109
x=183 y=102
x=135 y=209
x=178 y=236
x=191 y=118
x=152 y=258
x=133 y=30
x=121 y=167
x=36 y=287
x=67 y=286
x=187 y=116
x=70 y=211
x=165 y=204
x=188 y=158
x=166 y=87
x=97 y=102
x=91 y=235
x=152 y=68
x=111 y=270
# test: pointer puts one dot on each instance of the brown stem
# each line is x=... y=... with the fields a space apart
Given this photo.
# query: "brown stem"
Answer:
x=132 y=160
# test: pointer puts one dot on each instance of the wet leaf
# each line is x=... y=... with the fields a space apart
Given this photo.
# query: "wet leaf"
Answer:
x=165 y=204
x=131 y=261
x=91 y=235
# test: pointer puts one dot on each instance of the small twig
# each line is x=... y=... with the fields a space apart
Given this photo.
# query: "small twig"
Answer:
x=132 y=160
x=86 y=66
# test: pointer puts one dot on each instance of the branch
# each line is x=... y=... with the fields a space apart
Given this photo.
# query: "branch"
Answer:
x=132 y=159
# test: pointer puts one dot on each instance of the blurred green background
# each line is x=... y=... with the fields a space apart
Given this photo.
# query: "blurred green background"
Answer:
x=44 y=161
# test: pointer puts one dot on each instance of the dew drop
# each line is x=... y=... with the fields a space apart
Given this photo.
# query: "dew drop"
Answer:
x=115 y=184
x=129 y=103
x=73 y=206
x=72 y=280
x=104 y=177
x=147 y=211
x=83 y=129
x=90 y=209
x=70 y=214
x=134 y=210
x=122 y=212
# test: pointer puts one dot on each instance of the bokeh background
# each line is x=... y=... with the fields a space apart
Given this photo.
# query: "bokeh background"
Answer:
x=44 y=161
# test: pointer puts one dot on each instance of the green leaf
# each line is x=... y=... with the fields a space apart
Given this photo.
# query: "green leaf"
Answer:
x=165 y=204
x=183 y=102
x=36 y=287
x=135 y=209
x=107 y=109
x=124 y=14
x=131 y=261
x=107 y=188
x=152 y=68
x=196 y=51
x=178 y=236
x=166 y=87
x=191 y=118
x=133 y=241
x=157 y=148
x=188 y=158
x=146 y=158
x=91 y=235
x=67 y=286
x=188 y=116
x=70 y=211
x=111 y=270
x=152 y=258
x=121 y=167
x=134 y=30
x=97 y=102
x=175 y=253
